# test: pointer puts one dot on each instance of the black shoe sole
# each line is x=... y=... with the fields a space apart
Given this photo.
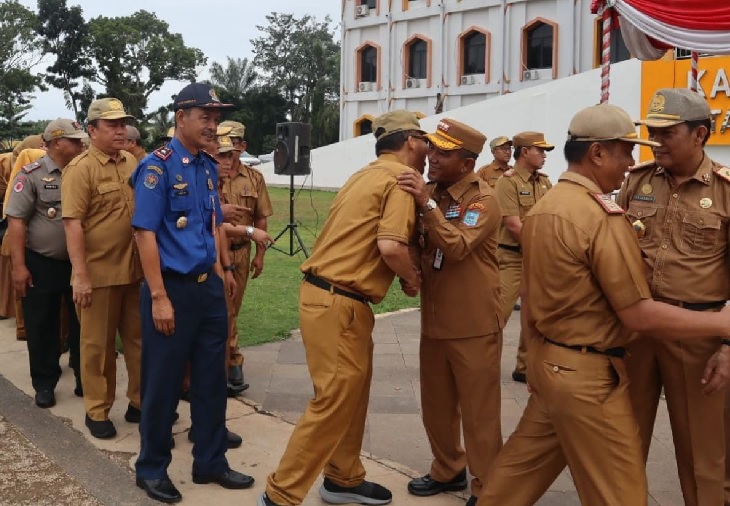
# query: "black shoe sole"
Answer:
x=160 y=499
x=452 y=487
x=204 y=480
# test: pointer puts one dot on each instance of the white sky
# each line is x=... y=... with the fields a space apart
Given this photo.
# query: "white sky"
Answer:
x=219 y=28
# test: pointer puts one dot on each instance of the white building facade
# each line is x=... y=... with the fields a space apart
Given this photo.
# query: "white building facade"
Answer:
x=433 y=56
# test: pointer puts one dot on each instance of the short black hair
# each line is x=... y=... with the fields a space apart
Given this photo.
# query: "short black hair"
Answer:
x=518 y=152
x=394 y=142
x=575 y=151
x=93 y=122
x=693 y=125
x=465 y=153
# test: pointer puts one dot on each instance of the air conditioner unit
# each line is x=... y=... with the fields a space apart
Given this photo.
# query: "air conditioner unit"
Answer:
x=362 y=11
x=365 y=86
x=467 y=80
x=530 y=75
x=413 y=83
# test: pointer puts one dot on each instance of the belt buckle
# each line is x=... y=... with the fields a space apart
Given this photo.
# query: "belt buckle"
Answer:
x=202 y=277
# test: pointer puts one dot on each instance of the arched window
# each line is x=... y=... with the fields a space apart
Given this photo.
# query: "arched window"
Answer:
x=369 y=64
x=539 y=46
x=475 y=53
x=418 y=59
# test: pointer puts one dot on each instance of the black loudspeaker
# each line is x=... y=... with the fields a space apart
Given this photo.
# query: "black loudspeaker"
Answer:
x=291 y=155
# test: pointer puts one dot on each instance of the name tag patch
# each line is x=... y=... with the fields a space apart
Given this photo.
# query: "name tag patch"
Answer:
x=525 y=192
x=50 y=186
x=471 y=218
x=644 y=198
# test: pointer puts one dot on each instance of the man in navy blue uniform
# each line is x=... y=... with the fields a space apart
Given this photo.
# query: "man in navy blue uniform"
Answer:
x=182 y=302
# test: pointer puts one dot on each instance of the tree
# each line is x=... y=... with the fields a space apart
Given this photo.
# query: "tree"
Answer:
x=135 y=55
x=20 y=51
x=65 y=34
x=236 y=78
x=300 y=59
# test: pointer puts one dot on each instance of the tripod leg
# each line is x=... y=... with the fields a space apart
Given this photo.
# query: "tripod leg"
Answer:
x=299 y=239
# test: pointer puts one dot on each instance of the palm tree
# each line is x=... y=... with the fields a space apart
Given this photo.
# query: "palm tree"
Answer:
x=236 y=78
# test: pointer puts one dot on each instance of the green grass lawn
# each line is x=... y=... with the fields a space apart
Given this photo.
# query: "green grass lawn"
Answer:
x=270 y=306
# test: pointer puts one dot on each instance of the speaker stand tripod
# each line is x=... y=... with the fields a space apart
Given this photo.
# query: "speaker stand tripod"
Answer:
x=292 y=228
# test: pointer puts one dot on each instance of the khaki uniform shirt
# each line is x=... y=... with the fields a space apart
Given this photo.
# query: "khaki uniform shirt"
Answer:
x=685 y=239
x=460 y=275
x=517 y=192
x=139 y=153
x=490 y=173
x=247 y=188
x=583 y=264
x=96 y=191
x=36 y=199
x=25 y=157
x=6 y=167
x=370 y=206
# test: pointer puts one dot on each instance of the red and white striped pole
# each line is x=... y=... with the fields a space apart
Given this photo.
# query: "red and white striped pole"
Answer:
x=693 y=78
x=606 y=52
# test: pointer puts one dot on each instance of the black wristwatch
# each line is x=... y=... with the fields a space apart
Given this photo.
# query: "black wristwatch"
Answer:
x=229 y=268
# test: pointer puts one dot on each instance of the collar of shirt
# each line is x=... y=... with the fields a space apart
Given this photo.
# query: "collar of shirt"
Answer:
x=458 y=189
x=581 y=180
x=525 y=173
x=703 y=172
x=103 y=157
x=182 y=153
x=49 y=164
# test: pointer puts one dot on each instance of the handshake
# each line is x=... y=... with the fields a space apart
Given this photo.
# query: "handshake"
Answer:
x=412 y=286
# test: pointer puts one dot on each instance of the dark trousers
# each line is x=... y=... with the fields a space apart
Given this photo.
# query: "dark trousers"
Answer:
x=201 y=330
x=42 y=307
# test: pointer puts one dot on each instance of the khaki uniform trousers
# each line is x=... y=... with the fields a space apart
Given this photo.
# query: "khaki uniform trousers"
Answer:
x=242 y=260
x=579 y=414
x=697 y=420
x=460 y=387
x=10 y=305
x=727 y=448
x=113 y=308
x=510 y=276
x=337 y=335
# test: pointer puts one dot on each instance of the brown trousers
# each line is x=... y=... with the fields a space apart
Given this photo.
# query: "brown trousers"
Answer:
x=242 y=260
x=460 y=387
x=337 y=335
x=510 y=277
x=113 y=308
x=579 y=414
x=697 y=420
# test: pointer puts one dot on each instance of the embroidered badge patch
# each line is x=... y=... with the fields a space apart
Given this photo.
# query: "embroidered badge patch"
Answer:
x=150 y=181
x=18 y=187
x=471 y=218
x=155 y=168
x=453 y=211
x=607 y=203
x=476 y=206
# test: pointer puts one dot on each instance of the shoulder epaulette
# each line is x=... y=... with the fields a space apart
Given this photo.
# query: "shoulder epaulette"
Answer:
x=509 y=173
x=163 y=153
x=608 y=204
x=543 y=174
x=31 y=167
x=723 y=172
x=643 y=165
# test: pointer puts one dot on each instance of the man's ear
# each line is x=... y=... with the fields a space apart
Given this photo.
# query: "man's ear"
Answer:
x=469 y=164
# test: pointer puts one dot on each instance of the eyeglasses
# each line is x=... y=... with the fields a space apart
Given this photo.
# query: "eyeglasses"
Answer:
x=505 y=147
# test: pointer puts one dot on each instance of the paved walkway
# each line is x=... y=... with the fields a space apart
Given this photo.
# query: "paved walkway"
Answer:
x=395 y=443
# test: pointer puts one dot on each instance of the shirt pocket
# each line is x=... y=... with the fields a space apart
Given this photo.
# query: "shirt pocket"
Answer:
x=180 y=203
x=700 y=233
x=52 y=197
x=647 y=216
x=526 y=203
x=110 y=194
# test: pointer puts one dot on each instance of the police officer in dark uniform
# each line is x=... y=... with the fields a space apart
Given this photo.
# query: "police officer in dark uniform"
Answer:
x=183 y=307
x=41 y=267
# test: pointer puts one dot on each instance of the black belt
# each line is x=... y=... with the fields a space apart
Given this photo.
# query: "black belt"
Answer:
x=509 y=247
x=239 y=246
x=611 y=352
x=193 y=278
x=326 y=285
x=693 y=306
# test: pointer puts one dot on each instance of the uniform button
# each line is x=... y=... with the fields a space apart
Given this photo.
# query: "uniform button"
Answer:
x=676 y=195
x=702 y=222
x=640 y=213
x=556 y=368
x=664 y=246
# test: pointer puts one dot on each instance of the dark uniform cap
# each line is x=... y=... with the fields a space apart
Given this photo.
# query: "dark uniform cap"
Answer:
x=529 y=139
x=499 y=141
x=107 y=108
x=395 y=121
x=132 y=133
x=232 y=129
x=60 y=128
x=672 y=106
x=225 y=144
x=604 y=122
x=451 y=135
x=199 y=95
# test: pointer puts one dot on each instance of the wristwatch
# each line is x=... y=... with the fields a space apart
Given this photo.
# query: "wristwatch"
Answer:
x=230 y=268
x=431 y=205
x=249 y=231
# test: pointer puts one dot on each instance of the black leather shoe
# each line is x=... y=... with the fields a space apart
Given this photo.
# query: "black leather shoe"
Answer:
x=425 y=485
x=472 y=501
x=133 y=414
x=233 y=440
x=160 y=490
x=519 y=377
x=45 y=398
x=103 y=429
x=265 y=501
x=230 y=479
x=78 y=389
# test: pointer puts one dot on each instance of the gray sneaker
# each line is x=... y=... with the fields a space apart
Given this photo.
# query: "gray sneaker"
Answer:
x=365 y=493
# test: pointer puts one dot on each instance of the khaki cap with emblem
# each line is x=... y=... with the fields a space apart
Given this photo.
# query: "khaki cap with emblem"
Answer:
x=63 y=128
x=451 y=135
x=225 y=144
x=530 y=139
x=604 y=122
x=232 y=129
x=672 y=106
x=107 y=108
x=499 y=141
x=395 y=121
